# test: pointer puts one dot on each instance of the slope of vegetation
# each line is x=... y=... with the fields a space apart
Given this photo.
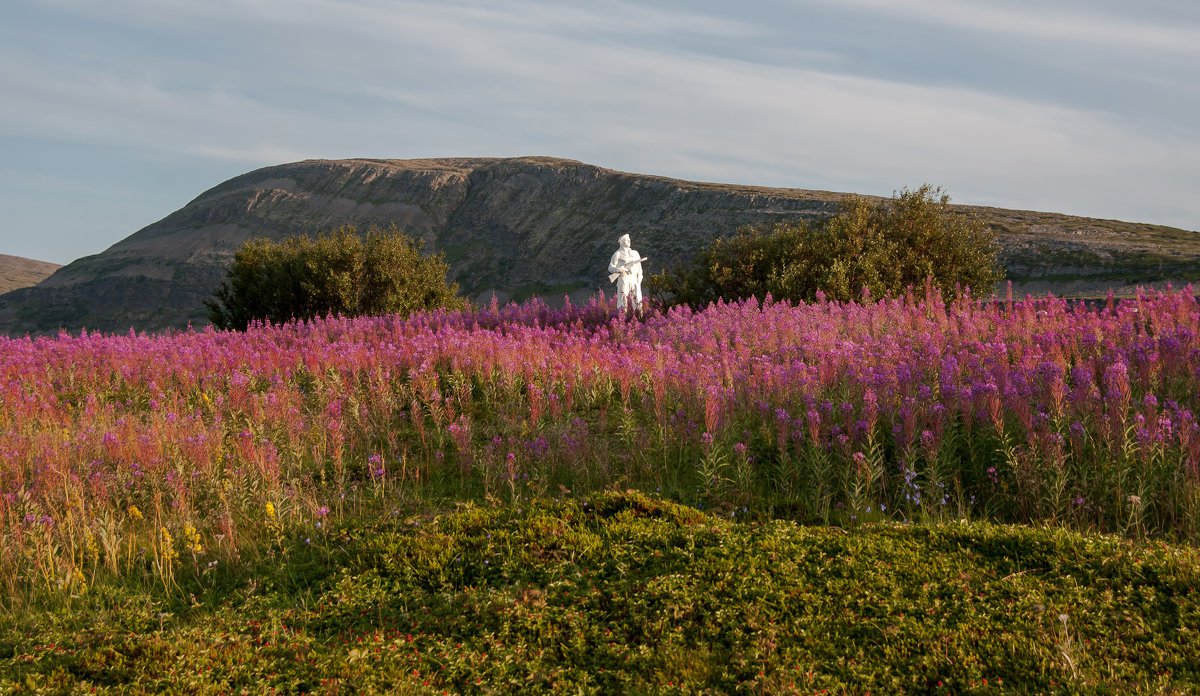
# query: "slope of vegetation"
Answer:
x=625 y=593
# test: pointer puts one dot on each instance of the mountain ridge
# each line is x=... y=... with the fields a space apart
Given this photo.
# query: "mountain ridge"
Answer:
x=517 y=227
x=19 y=272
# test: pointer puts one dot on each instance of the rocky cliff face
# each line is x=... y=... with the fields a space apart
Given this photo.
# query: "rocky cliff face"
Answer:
x=17 y=272
x=513 y=227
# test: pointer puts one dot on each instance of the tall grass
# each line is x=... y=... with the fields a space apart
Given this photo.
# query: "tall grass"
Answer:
x=147 y=456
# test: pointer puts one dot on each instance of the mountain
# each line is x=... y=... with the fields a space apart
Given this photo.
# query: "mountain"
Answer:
x=519 y=227
x=17 y=272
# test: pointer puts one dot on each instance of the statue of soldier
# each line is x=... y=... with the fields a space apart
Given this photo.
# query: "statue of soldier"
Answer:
x=625 y=269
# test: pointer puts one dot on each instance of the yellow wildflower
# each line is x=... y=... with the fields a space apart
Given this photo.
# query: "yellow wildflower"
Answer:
x=92 y=549
x=192 y=539
x=134 y=512
x=169 y=552
x=270 y=510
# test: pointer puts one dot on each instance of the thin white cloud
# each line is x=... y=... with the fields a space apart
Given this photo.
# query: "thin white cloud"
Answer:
x=1038 y=20
x=94 y=105
x=627 y=86
x=827 y=128
x=370 y=17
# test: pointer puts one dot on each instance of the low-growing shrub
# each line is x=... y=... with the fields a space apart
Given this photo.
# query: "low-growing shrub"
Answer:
x=625 y=593
x=869 y=248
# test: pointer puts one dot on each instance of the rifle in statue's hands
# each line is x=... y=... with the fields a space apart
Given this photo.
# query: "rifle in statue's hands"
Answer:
x=612 y=278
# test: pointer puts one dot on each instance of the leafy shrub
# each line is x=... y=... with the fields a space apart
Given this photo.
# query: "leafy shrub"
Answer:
x=343 y=273
x=884 y=247
x=752 y=263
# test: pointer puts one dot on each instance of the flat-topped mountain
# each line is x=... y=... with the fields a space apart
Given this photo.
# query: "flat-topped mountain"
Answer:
x=518 y=227
x=18 y=272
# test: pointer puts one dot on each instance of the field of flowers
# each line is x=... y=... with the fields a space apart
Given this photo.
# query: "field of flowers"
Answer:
x=153 y=455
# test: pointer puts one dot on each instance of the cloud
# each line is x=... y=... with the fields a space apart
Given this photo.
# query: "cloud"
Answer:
x=823 y=130
x=1087 y=24
x=91 y=104
x=707 y=94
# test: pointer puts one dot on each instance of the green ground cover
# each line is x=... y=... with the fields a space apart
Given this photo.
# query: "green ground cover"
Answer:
x=629 y=593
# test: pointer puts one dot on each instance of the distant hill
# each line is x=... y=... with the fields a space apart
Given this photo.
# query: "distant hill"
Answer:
x=519 y=227
x=17 y=272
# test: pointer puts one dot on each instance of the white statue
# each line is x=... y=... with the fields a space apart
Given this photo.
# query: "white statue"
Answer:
x=625 y=269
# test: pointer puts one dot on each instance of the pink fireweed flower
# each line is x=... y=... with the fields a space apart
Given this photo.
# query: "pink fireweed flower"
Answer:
x=861 y=467
x=814 y=425
x=1116 y=384
x=783 y=428
x=929 y=444
x=712 y=409
x=989 y=396
x=870 y=409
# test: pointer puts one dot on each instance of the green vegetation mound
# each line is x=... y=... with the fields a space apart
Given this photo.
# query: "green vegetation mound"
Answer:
x=630 y=594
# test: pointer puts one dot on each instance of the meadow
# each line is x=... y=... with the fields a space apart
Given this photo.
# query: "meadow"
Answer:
x=164 y=475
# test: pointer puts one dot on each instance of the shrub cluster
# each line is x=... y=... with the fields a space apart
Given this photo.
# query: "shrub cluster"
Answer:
x=874 y=248
x=343 y=273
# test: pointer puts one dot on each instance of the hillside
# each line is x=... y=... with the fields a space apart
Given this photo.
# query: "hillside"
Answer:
x=518 y=227
x=17 y=272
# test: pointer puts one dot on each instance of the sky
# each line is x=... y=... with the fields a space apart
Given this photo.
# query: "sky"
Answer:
x=114 y=114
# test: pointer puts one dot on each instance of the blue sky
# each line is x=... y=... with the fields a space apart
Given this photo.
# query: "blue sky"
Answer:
x=115 y=113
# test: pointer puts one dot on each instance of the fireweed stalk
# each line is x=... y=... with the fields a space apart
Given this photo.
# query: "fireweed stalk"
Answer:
x=1041 y=409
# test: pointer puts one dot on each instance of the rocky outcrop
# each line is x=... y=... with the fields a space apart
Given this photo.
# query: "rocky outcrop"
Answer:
x=512 y=227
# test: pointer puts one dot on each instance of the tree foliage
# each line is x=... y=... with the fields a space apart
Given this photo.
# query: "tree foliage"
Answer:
x=884 y=247
x=345 y=273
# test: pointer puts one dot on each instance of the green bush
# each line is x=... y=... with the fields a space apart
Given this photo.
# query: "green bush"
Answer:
x=884 y=247
x=343 y=273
